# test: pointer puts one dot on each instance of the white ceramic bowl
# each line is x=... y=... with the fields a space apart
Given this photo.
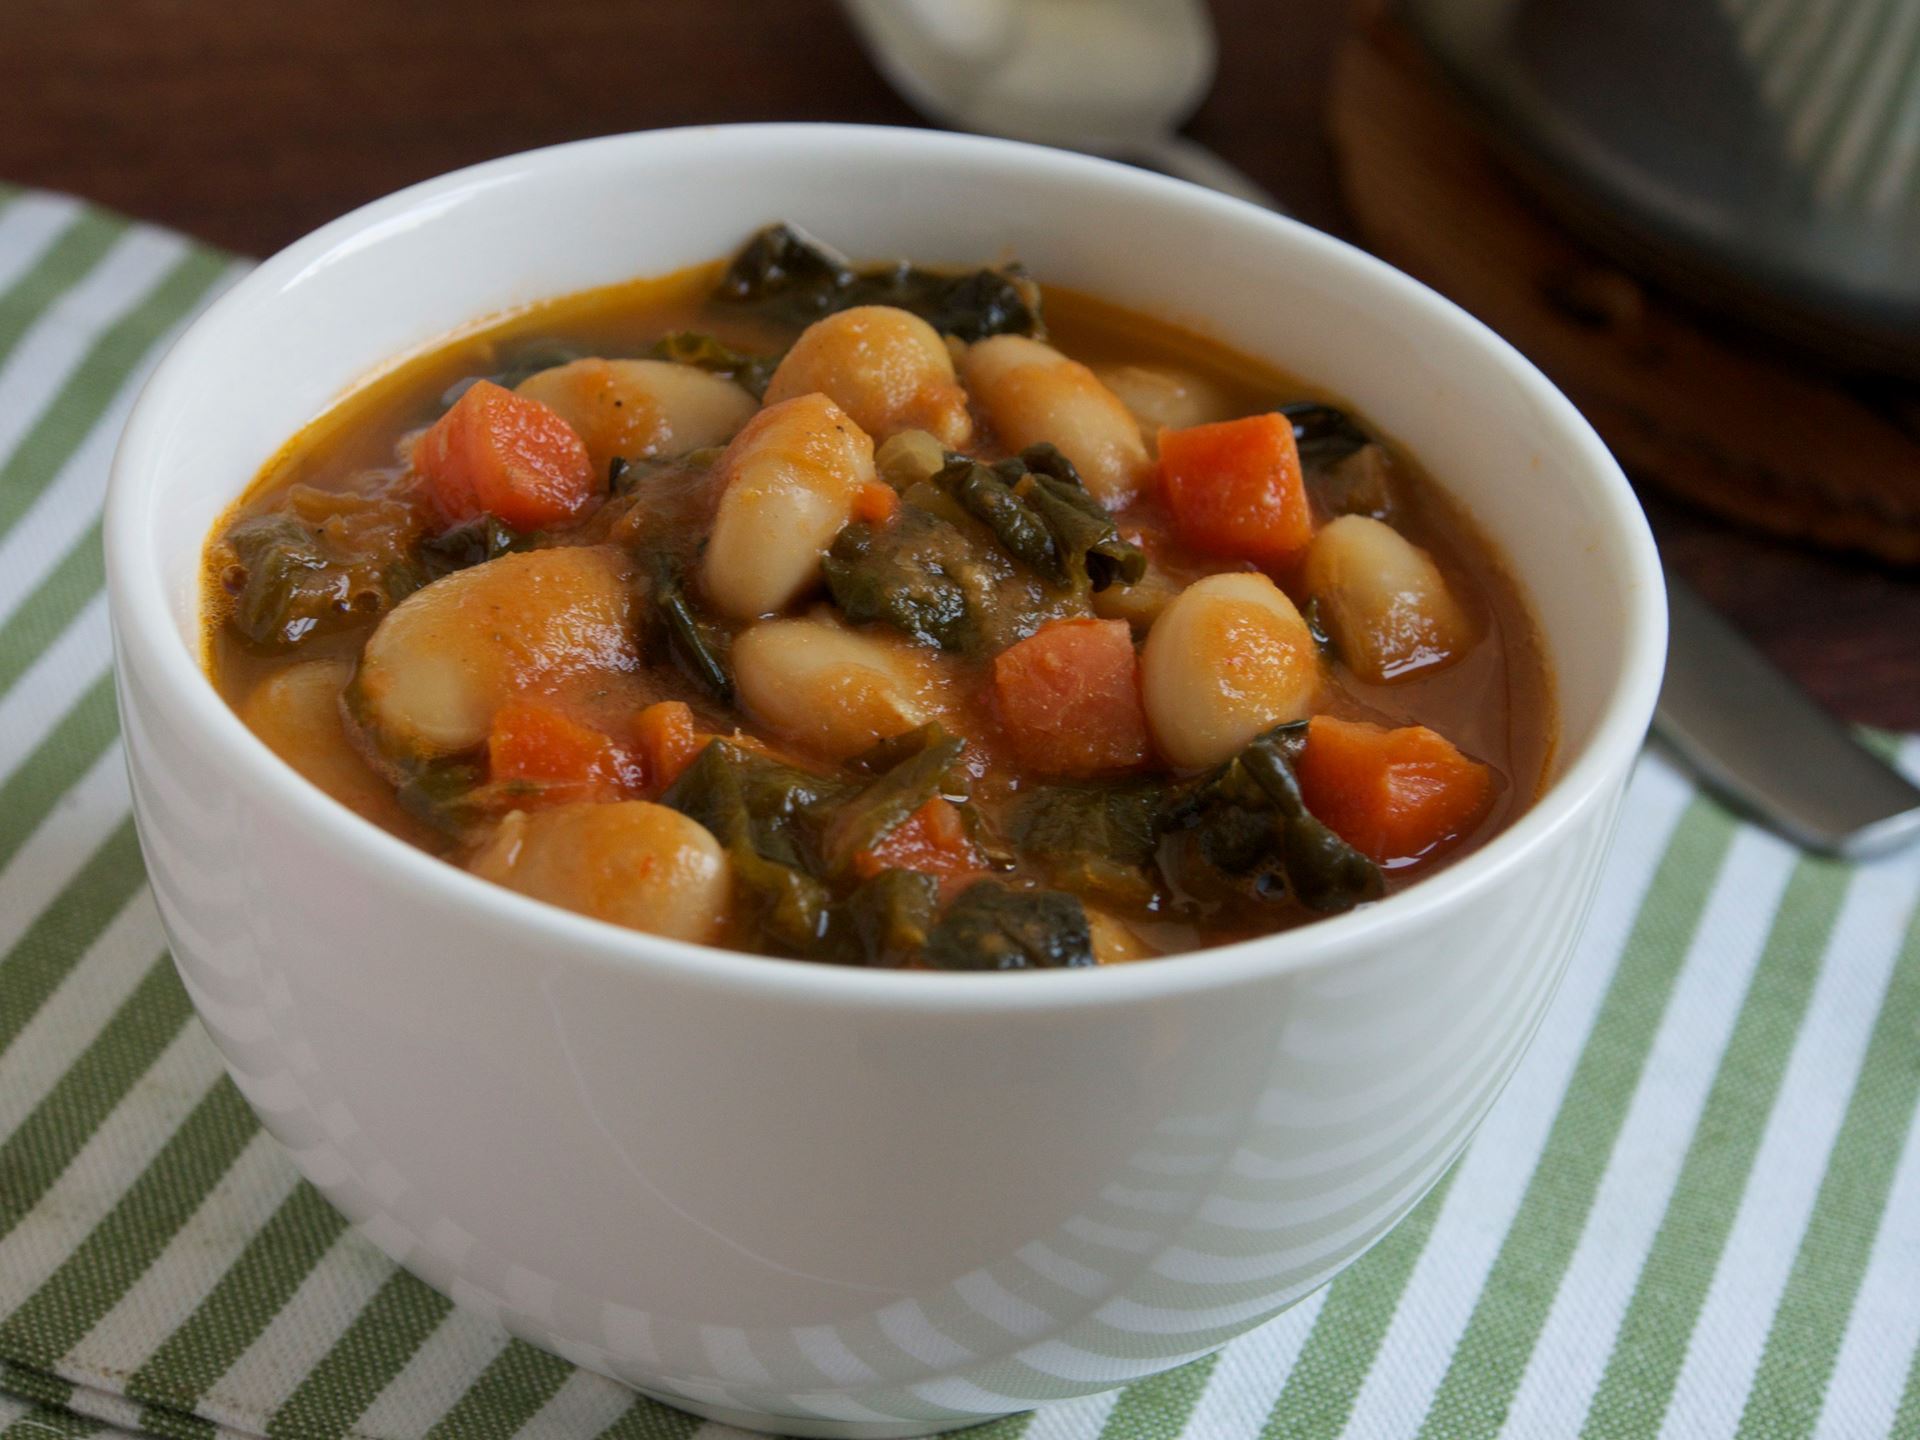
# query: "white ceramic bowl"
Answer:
x=830 y=1200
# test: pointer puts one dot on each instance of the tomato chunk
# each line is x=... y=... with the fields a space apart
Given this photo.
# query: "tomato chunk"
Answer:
x=1069 y=698
x=498 y=453
x=1235 y=488
x=932 y=840
x=1394 y=795
x=876 y=503
x=556 y=757
x=668 y=741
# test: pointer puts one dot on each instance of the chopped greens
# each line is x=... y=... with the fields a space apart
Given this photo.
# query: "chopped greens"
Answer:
x=473 y=543
x=690 y=347
x=788 y=276
x=926 y=768
x=942 y=571
x=920 y=575
x=343 y=562
x=755 y=807
x=1323 y=432
x=995 y=927
x=891 y=915
x=696 y=647
x=1255 y=835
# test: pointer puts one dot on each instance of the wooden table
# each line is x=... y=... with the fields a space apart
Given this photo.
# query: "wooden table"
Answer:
x=249 y=124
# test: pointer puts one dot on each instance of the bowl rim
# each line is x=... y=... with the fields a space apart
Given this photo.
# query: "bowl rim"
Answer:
x=142 y=617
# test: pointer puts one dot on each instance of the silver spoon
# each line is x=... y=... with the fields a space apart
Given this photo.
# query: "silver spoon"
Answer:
x=1117 y=78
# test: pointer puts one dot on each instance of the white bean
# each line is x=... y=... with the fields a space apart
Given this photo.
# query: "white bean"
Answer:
x=1161 y=397
x=788 y=483
x=1384 y=601
x=442 y=661
x=1031 y=392
x=637 y=409
x=631 y=863
x=886 y=367
x=834 y=690
x=1228 y=659
x=297 y=712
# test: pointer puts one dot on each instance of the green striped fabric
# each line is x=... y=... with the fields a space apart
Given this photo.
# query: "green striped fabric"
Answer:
x=1696 y=1212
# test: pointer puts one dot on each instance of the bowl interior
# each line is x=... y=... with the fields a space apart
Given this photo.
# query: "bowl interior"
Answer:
x=320 y=317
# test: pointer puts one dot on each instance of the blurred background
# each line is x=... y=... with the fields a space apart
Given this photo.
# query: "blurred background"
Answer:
x=248 y=125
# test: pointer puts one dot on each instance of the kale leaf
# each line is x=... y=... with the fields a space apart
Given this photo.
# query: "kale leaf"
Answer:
x=916 y=768
x=296 y=576
x=756 y=808
x=994 y=927
x=690 y=347
x=788 y=276
x=696 y=647
x=1042 y=515
x=1252 y=827
x=920 y=575
x=891 y=915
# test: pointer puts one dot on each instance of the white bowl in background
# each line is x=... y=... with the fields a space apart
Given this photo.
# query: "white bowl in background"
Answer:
x=826 y=1200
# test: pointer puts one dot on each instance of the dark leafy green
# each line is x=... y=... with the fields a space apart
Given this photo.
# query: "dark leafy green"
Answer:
x=691 y=347
x=790 y=277
x=1043 y=517
x=546 y=355
x=289 y=583
x=919 y=575
x=696 y=647
x=918 y=767
x=1324 y=431
x=1095 y=839
x=756 y=808
x=473 y=542
x=891 y=915
x=994 y=927
x=1249 y=823
x=986 y=493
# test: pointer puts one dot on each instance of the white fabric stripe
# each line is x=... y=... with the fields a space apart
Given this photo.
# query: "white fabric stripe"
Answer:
x=48 y=688
x=63 y=844
x=182 y=1275
x=28 y=228
x=315 y=1316
x=1571 y=1353
x=580 y=1409
x=40 y=368
x=1870 y=1372
x=70 y=504
x=1819 y=1080
x=1081 y=1419
x=79 y=1008
x=113 y=1159
x=1252 y=1371
x=434 y=1377
x=1492 y=1176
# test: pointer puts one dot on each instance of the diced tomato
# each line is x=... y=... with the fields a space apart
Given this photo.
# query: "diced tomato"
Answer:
x=1235 y=488
x=558 y=758
x=1393 y=795
x=668 y=742
x=932 y=840
x=498 y=453
x=876 y=503
x=1069 y=698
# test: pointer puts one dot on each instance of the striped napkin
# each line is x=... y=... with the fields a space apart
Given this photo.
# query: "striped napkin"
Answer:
x=1696 y=1211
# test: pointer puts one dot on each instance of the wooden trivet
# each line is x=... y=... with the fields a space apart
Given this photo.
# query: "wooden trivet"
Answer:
x=1718 y=418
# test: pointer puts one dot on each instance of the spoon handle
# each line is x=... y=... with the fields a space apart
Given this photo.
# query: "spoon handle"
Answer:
x=1760 y=740
x=1185 y=159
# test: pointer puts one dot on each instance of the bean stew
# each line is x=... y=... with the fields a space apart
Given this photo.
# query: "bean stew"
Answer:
x=880 y=615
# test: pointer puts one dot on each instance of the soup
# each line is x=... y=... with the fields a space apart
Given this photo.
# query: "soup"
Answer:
x=880 y=616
